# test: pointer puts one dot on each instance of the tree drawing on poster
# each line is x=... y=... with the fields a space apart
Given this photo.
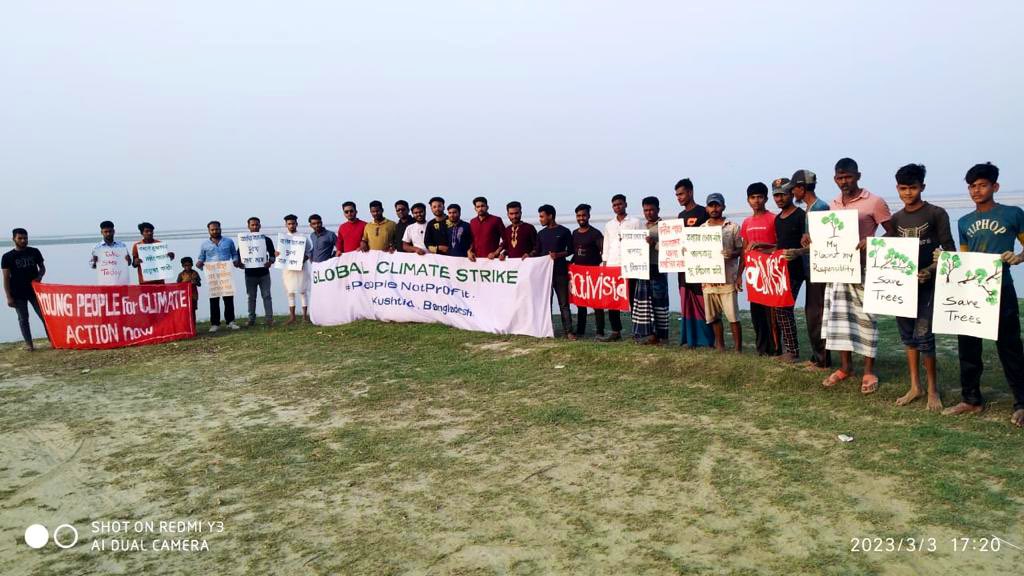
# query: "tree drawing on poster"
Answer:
x=967 y=292
x=704 y=260
x=670 y=245
x=156 y=261
x=293 y=251
x=890 y=283
x=252 y=250
x=634 y=254
x=834 y=254
x=218 y=279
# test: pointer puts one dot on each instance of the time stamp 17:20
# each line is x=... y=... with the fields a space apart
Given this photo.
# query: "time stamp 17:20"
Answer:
x=985 y=544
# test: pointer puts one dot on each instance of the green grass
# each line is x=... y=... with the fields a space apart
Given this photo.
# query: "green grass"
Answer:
x=391 y=449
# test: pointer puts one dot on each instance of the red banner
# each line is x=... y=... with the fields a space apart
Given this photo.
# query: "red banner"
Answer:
x=84 y=317
x=767 y=277
x=598 y=287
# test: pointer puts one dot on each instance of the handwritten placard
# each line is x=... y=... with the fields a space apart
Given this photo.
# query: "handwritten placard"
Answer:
x=968 y=287
x=293 y=251
x=218 y=279
x=252 y=250
x=767 y=278
x=704 y=260
x=834 y=239
x=155 y=261
x=112 y=265
x=890 y=282
x=670 y=245
x=634 y=254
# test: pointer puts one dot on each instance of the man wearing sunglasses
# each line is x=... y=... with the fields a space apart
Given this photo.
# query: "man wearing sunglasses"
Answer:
x=350 y=233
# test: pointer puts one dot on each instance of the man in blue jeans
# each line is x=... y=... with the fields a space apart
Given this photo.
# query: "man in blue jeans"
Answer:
x=22 y=266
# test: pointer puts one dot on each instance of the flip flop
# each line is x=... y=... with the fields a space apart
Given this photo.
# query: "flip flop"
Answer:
x=868 y=384
x=834 y=378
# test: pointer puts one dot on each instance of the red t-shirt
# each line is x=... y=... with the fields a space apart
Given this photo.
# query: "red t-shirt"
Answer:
x=486 y=234
x=350 y=234
x=759 y=229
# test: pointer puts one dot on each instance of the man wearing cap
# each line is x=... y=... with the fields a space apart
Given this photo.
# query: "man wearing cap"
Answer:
x=693 y=325
x=802 y=185
x=720 y=299
x=790 y=224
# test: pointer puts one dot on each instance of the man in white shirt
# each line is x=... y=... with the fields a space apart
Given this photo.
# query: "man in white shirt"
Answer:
x=621 y=221
x=110 y=258
x=412 y=239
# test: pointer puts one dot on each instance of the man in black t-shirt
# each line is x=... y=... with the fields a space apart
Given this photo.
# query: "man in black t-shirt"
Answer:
x=694 y=330
x=555 y=241
x=789 y=231
x=587 y=244
x=21 y=267
x=259 y=278
x=436 y=238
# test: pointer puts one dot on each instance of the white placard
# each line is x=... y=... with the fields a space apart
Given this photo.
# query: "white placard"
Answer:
x=834 y=239
x=155 y=261
x=704 y=260
x=218 y=279
x=112 y=265
x=252 y=250
x=968 y=286
x=634 y=254
x=293 y=251
x=890 y=281
x=670 y=245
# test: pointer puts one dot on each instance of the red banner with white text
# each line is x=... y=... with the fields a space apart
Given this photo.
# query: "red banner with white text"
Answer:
x=94 y=317
x=767 y=277
x=598 y=287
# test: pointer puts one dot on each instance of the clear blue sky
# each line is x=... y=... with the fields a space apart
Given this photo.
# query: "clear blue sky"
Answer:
x=180 y=112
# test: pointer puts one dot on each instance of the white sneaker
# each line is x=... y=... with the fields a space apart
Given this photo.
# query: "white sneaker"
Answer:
x=214 y=328
x=234 y=326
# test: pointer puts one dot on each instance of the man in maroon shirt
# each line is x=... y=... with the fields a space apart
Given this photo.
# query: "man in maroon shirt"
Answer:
x=519 y=238
x=486 y=229
x=350 y=233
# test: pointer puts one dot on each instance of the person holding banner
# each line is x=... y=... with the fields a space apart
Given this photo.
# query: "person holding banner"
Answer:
x=296 y=282
x=402 y=222
x=379 y=232
x=610 y=253
x=790 y=223
x=460 y=235
x=486 y=229
x=412 y=238
x=22 y=266
x=350 y=233
x=258 y=278
x=191 y=275
x=107 y=256
x=720 y=299
x=218 y=249
x=322 y=242
x=758 y=232
x=847 y=328
x=649 y=310
x=146 y=229
x=555 y=242
x=586 y=251
x=694 y=330
x=930 y=225
x=518 y=239
x=992 y=228
x=436 y=238
x=802 y=185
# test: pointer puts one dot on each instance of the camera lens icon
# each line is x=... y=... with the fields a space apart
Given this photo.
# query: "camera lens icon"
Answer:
x=64 y=536
x=36 y=536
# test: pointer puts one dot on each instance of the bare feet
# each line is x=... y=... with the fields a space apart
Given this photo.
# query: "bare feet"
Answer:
x=963 y=408
x=289 y=321
x=909 y=397
x=1018 y=418
x=934 y=403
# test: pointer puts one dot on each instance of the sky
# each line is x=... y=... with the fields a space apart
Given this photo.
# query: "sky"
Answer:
x=182 y=112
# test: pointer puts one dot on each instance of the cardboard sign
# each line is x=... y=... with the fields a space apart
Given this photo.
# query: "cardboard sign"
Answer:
x=704 y=260
x=156 y=261
x=890 y=283
x=834 y=239
x=670 y=245
x=112 y=265
x=218 y=279
x=599 y=287
x=252 y=250
x=968 y=287
x=767 y=278
x=293 y=251
x=634 y=254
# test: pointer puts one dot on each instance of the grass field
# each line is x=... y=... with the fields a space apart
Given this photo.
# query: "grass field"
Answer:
x=417 y=449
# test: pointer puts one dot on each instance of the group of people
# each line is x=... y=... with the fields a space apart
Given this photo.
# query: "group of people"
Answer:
x=835 y=316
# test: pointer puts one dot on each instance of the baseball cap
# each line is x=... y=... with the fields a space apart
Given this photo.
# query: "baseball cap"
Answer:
x=779 y=185
x=715 y=198
x=801 y=177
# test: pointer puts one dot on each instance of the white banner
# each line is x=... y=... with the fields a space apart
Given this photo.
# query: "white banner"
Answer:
x=156 y=261
x=670 y=245
x=704 y=260
x=218 y=279
x=112 y=265
x=834 y=239
x=968 y=287
x=634 y=254
x=502 y=297
x=293 y=251
x=252 y=250
x=890 y=282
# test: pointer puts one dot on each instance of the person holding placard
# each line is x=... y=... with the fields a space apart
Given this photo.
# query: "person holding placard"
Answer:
x=790 y=224
x=758 y=232
x=720 y=299
x=802 y=185
x=412 y=238
x=519 y=238
x=322 y=242
x=218 y=249
x=555 y=241
x=486 y=229
x=350 y=233
x=379 y=232
x=258 y=277
x=930 y=225
x=847 y=328
x=146 y=229
x=992 y=228
x=110 y=258
x=610 y=253
x=586 y=251
x=402 y=222
x=649 y=311
x=693 y=327
x=296 y=282
x=22 y=266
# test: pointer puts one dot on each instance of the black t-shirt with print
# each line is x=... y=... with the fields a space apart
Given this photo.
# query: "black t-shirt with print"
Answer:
x=586 y=247
x=24 y=267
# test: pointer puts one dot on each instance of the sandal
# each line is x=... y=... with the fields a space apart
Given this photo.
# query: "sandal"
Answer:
x=868 y=384
x=834 y=378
